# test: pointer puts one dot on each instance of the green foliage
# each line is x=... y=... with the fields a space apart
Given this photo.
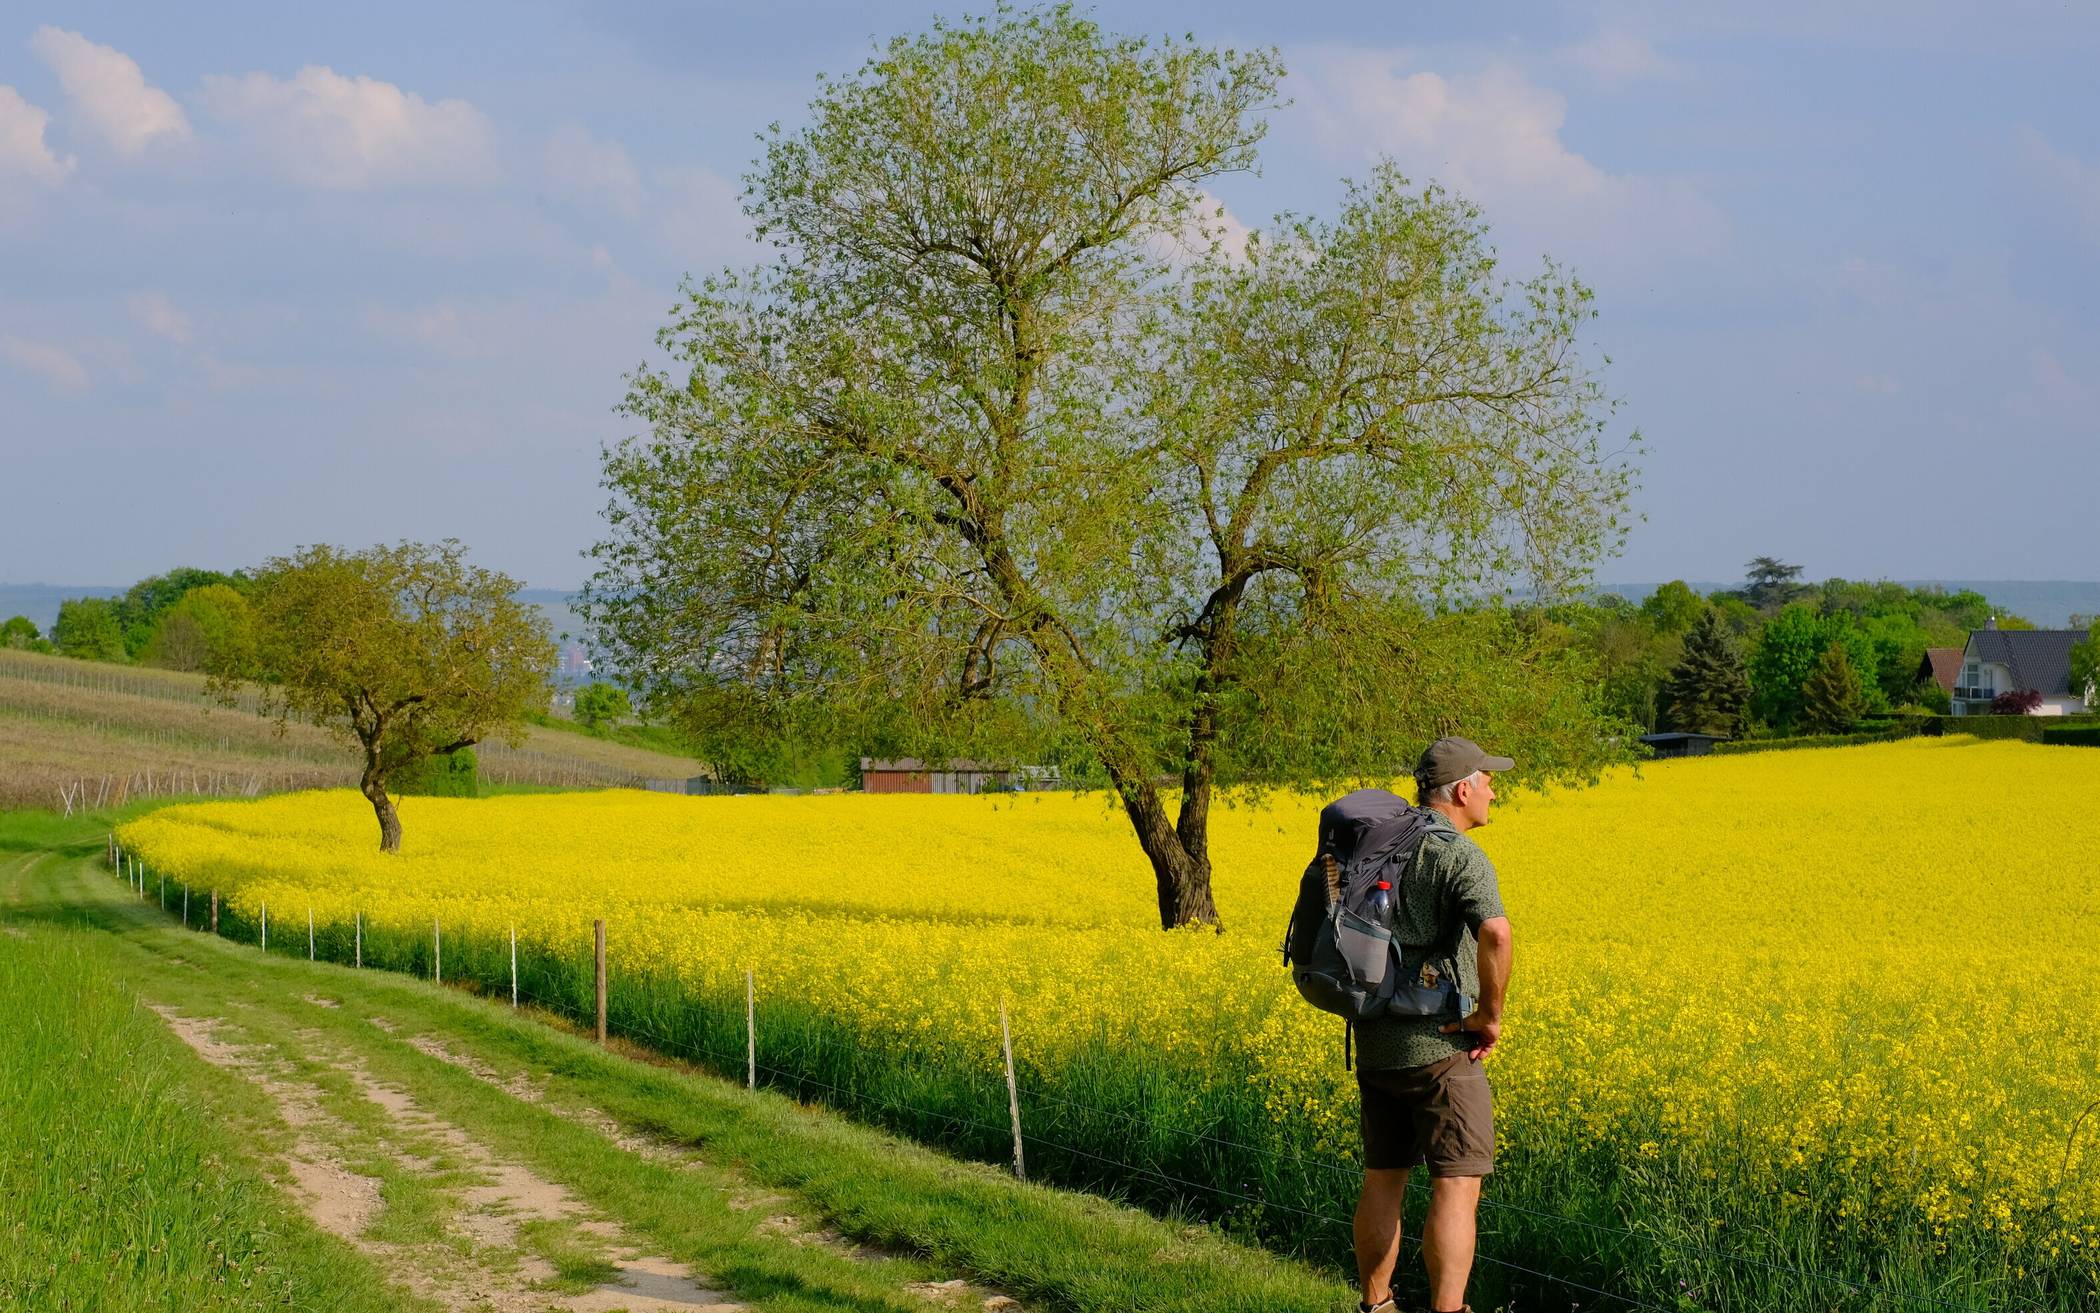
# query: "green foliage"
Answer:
x=973 y=468
x=404 y=651
x=2085 y=666
x=1832 y=699
x=1708 y=690
x=1787 y=650
x=454 y=774
x=602 y=705
x=1793 y=741
x=209 y=628
x=90 y=628
x=21 y=633
x=2084 y=736
x=146 y=602
x=1770 y=583
x=1673 y=608
x=2028 y=728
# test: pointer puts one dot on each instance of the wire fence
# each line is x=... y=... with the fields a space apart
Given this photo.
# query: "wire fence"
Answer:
x=801 y=1079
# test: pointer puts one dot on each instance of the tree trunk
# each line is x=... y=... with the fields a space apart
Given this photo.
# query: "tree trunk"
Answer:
x=374 y=790
x=1182 y=878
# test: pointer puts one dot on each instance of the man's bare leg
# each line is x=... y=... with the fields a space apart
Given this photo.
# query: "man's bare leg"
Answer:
x=1378 y=1231
x=1447 y=1239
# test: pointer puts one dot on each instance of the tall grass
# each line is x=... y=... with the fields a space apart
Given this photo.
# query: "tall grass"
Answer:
x=117 y=1190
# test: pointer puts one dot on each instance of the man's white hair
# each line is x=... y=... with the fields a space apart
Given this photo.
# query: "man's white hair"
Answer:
x=1448 y=792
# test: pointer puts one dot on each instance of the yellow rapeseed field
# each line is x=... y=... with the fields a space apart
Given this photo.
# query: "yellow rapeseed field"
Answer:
x=1863 y=981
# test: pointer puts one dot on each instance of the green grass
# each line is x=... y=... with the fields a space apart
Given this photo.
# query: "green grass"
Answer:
x=937 y=1217
x=119 y=1186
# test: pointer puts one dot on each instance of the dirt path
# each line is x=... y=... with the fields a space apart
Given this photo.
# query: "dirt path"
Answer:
x=495 y=1230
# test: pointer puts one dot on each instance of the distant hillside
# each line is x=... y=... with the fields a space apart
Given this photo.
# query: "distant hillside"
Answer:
x=114 y=731
x=2049 y=603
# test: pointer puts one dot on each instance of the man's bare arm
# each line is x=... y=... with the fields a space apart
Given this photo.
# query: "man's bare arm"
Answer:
x=1485 y=1023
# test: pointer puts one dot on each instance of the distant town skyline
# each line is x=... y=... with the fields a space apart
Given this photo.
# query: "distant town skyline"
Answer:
x=265 y=263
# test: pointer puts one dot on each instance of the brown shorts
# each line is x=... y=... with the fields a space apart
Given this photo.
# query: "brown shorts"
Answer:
x=1442 y=1114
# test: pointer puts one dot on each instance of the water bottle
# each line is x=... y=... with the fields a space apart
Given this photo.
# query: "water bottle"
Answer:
x=1378 y=908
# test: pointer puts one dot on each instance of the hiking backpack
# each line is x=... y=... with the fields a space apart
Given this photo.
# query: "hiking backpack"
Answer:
x=1342 y=960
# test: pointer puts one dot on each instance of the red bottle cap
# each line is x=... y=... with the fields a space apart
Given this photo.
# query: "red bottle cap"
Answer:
x=1385 y=884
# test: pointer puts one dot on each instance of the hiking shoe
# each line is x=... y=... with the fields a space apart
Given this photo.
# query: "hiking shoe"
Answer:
x=1385 y=1305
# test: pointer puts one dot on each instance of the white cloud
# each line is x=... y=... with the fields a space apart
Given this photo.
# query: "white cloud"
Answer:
x=1496 y=137
x=2075 y=182
x=593 y=171
x=22 y=148
x=56 y=366
x=322 y=129
x=700 y=218
x=109 y=92
x=1615 y=57
x=155 y=313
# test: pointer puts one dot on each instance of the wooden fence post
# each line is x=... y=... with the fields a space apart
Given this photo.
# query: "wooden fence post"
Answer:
x=1013 y=1092
x=437 y=952
x=357 y=919
x=163 y=892
x=215 y=911
x=514 y=966
x=598 y=938
x=309 y=934
x=266 y=927
x=750 y=1032
x=185 y=904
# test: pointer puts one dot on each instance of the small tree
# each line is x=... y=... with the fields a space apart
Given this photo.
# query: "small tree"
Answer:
x=602 y=704
x=1832 y=699
x=1673 y=608
x=2085 y=661
x=2017 y=702
x=20 y=632
x=407 y=651
x=1708 y=690
x=89 y=628
x=210 y=628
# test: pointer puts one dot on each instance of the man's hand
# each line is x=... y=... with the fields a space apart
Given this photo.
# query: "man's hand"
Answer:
x=1486 y=1032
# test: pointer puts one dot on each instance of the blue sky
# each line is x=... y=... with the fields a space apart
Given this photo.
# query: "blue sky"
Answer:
x=272 y=275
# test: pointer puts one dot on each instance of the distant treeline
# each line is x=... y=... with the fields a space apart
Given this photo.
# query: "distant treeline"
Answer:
x=186 y=619
x=1774 y=656
x=1777 y=656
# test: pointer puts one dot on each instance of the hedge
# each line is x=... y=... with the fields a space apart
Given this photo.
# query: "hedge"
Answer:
x=2083 y=736
x=1734 y=746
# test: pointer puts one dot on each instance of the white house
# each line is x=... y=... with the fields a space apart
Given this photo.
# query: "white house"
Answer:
x=2010 y=660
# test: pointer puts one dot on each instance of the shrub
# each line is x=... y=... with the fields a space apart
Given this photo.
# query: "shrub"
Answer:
x=2083 y=736
x=443 y=775
x=2017 y=702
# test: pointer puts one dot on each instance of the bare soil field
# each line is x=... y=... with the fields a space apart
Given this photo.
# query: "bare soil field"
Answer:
x=81 y=733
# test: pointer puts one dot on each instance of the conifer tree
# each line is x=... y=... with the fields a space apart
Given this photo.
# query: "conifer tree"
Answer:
x=1832 y=699
x=1707 y=689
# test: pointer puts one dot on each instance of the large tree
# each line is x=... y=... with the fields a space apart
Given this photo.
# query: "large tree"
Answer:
x=406 y=651
x=1832 y=699
x=1004 y=447
x=1707 y=691
x=1771 y=583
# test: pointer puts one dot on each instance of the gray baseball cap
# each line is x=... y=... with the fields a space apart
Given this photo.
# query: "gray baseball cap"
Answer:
x=1454 y=758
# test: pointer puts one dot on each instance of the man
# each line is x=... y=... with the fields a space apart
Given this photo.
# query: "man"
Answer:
x=1425 y=1095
